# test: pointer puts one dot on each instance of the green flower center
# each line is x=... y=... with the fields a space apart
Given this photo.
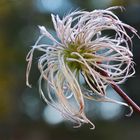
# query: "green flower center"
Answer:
x=81 y=50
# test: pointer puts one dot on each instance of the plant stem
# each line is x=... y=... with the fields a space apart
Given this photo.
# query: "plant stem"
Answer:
x=126 y=98
x=129 y=101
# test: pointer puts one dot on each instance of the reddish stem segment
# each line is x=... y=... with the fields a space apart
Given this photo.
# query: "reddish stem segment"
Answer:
x=129 y=101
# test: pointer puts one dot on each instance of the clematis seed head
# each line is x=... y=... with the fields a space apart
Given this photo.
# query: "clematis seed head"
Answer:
x=83 y=48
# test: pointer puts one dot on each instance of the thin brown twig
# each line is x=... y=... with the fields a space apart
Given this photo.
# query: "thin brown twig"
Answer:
x=126 y=98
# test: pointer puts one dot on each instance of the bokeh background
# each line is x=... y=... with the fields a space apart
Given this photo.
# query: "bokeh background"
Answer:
x=23 y=114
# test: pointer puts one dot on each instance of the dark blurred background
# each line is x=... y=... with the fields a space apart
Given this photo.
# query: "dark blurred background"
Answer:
x=23 y=114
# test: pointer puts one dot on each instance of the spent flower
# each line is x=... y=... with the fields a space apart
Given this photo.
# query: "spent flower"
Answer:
x=83 y=49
